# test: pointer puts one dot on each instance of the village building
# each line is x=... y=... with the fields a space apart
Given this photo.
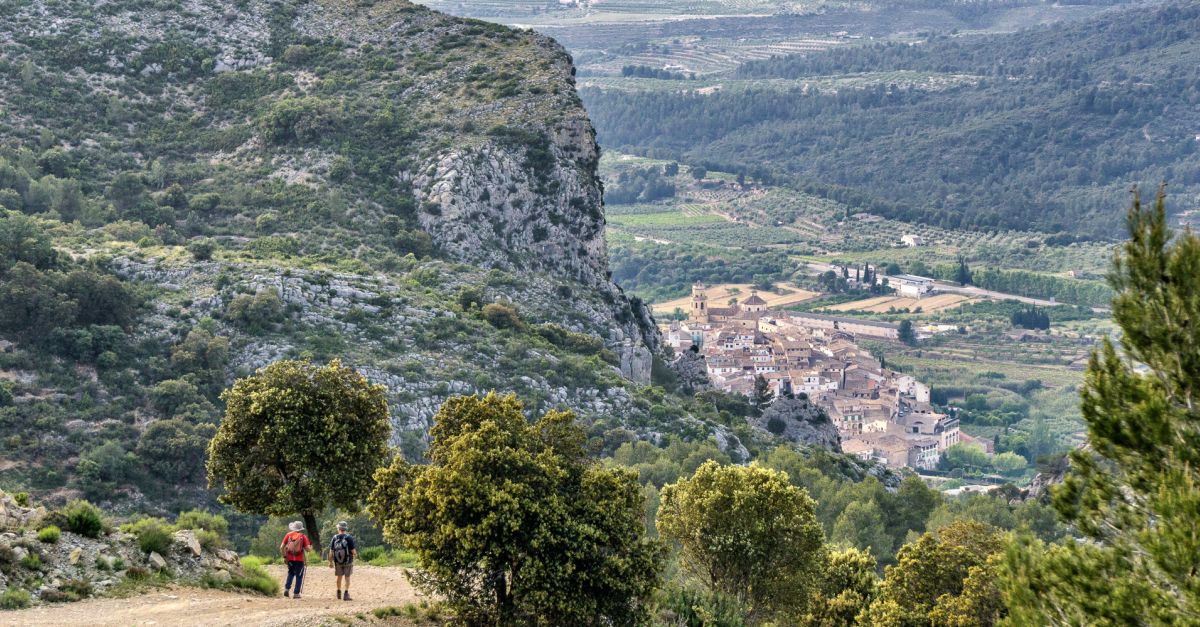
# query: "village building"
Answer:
x=881 y=415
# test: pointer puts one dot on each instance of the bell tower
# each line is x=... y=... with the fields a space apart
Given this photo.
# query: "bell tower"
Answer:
x=699 y=303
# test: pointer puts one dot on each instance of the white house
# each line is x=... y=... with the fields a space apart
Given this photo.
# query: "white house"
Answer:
x=910 y=285
x=912 y=241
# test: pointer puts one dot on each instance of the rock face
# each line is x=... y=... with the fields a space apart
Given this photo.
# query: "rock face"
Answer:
x=804 y=423
x=478 y=125
x=692 y=371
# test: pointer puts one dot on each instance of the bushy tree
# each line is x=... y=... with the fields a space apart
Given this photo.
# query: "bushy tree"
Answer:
x=1134 y=493
x=174 y=450
x=847 y=583
x=514 y=524
x=745 y=532
x=931 y=574
x=861 y=526
x=297 y=437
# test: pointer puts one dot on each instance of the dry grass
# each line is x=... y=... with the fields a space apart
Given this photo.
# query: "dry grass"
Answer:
x=882 y=304
x=720 y=295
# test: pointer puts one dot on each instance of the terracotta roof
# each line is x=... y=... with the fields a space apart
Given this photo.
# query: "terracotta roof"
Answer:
x=754 y=299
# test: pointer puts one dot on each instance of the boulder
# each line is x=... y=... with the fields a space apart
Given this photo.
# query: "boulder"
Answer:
x=222 y=576
x=14 y=516
x=76 y=553
x=225 y=555
x=156 y=561
x=187 y=538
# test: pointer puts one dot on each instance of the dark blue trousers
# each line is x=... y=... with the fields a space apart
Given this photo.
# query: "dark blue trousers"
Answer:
x=295 y=571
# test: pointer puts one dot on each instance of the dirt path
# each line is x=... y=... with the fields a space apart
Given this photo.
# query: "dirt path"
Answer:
x=373 y=587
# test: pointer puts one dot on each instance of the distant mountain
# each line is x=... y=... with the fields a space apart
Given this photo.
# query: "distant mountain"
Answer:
x=1037 y=129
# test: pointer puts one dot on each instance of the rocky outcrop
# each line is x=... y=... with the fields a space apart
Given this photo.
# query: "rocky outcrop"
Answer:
x=802 y=422
x=15 y=516
x=689 y=366
x=77 y=566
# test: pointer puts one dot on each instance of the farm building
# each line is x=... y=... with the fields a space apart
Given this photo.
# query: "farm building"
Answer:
x=911 y=285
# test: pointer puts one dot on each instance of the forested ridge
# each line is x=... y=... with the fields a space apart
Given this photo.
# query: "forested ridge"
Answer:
x=1051 y=123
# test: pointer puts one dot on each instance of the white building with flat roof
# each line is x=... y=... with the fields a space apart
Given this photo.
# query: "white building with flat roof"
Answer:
x=910 y=285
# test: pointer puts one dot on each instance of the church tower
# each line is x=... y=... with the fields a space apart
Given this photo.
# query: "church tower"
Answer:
x=699 y=303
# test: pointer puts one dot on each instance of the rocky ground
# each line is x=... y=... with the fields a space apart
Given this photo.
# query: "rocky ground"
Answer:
x=76 y=566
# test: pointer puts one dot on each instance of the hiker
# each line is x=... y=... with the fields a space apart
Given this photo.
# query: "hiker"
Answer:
x=342 y=551
x=294 y=544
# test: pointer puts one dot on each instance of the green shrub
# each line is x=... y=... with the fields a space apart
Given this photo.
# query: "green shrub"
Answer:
x=77 y=588
x=202 y=248
x=395 y=557
x=20 y=498
x=14 y=599
x=776 y=425
x=502 y=316
x=256 y=578
x=370 y=553
x=153 y=534
x=199 y=519
x=211 y=540
x=49 y=534
x=32 y=561
x=84 y=519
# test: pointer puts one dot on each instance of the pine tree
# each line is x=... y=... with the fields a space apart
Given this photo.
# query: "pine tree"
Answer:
x=1134 y=493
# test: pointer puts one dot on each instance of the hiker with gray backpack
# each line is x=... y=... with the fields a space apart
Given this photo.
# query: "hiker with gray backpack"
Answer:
x=342 y=551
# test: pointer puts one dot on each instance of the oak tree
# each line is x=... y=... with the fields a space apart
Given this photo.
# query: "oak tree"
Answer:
x=296 y=438
x=745 y=532
x=513 y=523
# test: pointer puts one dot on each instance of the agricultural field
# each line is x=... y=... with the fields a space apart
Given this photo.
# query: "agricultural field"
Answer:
x=884 y=304
x=782 y=295
x=929 y=81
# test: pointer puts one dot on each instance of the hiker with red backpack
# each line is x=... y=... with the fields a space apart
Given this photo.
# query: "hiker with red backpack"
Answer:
x=294 y=544
x=342 y=551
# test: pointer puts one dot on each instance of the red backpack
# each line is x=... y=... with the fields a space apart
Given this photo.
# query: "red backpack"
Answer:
x=295 y=543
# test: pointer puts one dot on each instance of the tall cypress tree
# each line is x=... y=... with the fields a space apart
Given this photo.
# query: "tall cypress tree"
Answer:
x=1134 y=493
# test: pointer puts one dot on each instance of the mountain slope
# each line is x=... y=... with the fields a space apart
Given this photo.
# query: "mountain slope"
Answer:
x=413 y=193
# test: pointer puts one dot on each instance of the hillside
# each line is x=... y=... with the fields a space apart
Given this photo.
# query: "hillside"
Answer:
x=1037 y=129
x=193 y=191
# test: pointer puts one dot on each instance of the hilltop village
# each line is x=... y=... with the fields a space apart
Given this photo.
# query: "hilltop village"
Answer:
x=881 y=415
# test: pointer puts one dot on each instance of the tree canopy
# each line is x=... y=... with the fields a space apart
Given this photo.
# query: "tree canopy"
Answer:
x=745 y=532
x=514 y=524
x=297 y=437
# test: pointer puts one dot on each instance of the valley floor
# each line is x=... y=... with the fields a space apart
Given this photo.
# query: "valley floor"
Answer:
x=374 y=587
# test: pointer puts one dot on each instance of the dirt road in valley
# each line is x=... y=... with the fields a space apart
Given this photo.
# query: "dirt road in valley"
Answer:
x=372 y=587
